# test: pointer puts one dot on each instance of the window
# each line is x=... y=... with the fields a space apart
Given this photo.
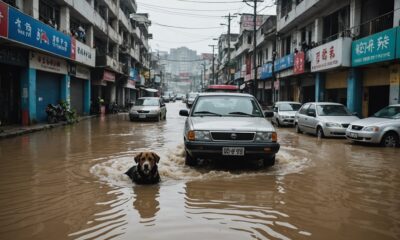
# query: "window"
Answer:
x=303 y=110
x=336 y=23
x=49 y=13
x=249 y=39
x=266 y=54
x=286 y=7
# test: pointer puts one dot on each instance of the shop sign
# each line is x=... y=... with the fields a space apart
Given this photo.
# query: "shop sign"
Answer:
x=29 y=31
x=284 y=63
x=133 y=74
x=108 y=76
x=13 y=56
x=375 y=48
x=79 y=71
x=398 y=43
x=83 y=53
x=331 y=55
x=47 y=63
x=266 y=71
x=130 y=84
x=299 y=63
x=247 y=22
x=3 y=19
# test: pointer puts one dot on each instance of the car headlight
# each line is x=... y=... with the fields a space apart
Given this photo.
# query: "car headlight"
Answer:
x=266 y=137
x=371 y=129
x=198 y=135
x=153 y=111
x=330 y=124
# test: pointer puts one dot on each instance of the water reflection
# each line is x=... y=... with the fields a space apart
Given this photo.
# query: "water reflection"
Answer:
x=146 y=202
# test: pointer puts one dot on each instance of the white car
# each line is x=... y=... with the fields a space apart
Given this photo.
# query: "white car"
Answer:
x=148 y=108
x=284 y=113
x=382 y=128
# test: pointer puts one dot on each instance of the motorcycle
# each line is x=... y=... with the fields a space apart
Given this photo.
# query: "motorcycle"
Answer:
x=53 y=114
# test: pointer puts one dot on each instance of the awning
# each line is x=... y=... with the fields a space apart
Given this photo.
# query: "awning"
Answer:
x=151 y=90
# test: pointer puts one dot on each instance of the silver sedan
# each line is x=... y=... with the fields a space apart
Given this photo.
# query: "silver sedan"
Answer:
x=148 y=108
x=284 y=113
x=382 y=128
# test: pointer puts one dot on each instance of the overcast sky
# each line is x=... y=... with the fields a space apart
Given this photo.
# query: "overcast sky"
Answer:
x=193 y=14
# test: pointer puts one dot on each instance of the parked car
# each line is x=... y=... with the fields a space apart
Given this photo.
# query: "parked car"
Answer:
x=180 y=96
x=382 y=128
x=284 y=113
x=324 y=119
x=148 y=108
x=190 y=99
x=228 y=126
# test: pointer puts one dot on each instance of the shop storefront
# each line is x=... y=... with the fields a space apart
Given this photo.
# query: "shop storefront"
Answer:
x=283 y=68
x=79 y=90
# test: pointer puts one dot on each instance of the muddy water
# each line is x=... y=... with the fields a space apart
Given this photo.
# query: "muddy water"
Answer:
x=68 y=183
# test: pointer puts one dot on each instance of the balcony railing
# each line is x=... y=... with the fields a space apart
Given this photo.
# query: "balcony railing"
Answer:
x=375 y=25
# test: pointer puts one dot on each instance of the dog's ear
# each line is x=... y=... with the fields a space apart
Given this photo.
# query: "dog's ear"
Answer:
x=156 y=157
x=137 y=157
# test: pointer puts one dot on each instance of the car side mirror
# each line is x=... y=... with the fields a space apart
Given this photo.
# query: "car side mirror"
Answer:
x=184 y=113
x=311 y=114
x=269 y=114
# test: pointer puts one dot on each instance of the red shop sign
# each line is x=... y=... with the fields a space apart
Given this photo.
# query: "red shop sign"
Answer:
x=299 y=61
x=3 y=19
x=109 y=76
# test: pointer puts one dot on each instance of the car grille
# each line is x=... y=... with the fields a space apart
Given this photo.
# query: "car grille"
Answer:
x=143 y=111
x=232 y=136
x=345 y=125
x=356 y=127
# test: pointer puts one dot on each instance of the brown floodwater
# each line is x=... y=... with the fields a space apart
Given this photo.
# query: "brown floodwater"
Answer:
x=68 y=183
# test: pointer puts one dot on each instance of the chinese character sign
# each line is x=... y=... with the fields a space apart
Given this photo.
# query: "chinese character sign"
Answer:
x=3 y=19
x=266 y=71
x=299 y=62
x=284 y=62
x=375 y=48
x=331 y=55
x=29 y=31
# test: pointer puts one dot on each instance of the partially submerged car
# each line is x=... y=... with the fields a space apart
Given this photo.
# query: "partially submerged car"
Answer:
x=228 y=126
x=381 y=128
x=146 y=108
x=284 y=113
x=325 y=119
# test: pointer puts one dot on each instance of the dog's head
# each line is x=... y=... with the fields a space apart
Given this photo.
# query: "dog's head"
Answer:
x=147 y=161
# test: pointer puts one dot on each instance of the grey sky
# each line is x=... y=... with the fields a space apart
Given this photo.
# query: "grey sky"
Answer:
x=198 y=15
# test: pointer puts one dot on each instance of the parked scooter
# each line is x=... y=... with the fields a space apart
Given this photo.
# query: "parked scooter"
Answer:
x=54 y=113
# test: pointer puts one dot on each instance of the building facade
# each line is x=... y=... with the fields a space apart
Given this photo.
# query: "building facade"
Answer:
x=73 y=51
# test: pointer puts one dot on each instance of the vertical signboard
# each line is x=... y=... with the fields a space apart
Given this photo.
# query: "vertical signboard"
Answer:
x=299 y=62
x=3 y=19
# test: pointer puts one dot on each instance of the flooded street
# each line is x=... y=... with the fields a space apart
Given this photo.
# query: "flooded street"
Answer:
x=68 y=183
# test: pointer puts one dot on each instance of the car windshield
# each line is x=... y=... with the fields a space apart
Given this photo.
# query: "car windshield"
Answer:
x=332 y=110
x=233 y=106
x=147 y=102
x=289 y=106
x=389 y=112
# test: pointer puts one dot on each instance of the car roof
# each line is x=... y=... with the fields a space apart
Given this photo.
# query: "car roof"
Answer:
x=287 y=102
x=225 y=94
x=325 y=103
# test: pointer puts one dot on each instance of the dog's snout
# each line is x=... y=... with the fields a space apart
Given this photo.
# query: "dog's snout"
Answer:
x=146 y=166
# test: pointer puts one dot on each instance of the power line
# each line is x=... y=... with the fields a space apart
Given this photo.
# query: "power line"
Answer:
x=193 y=1
x=179 y=13
x=187 y=9
x=164 y=25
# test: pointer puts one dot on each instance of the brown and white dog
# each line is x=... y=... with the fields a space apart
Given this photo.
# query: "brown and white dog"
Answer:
x=146 y=170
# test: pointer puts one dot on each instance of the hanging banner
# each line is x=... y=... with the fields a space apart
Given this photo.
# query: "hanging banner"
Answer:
x=83 y=53
x=299 y=63
x=378 y=47
x=29 y=31
x=3 y=19
x=266 y=71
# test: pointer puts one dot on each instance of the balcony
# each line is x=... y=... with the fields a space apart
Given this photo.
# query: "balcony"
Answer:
x=243 y=48
x=113 y=35
x=107 y=61
x=375 y=25
x=112 y=6
x=125 y=21
x=135 y=54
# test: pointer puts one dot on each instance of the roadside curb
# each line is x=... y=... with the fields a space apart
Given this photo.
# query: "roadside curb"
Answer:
x=21 y=130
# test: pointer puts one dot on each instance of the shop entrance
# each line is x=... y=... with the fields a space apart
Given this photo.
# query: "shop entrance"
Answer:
x=10 y=104
x=338 y=95
x=378 y=98
x=308 y=94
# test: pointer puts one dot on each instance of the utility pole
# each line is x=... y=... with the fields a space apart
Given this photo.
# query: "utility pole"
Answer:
x=230 y=17
x=213 y=73
x=254 y=43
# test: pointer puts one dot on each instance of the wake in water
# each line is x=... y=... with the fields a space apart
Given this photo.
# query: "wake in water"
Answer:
x=172 y=167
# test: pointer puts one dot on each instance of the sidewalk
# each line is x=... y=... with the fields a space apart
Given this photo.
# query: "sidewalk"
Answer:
x=16 y=130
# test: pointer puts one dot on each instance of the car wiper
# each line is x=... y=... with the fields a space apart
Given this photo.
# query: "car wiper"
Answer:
x=207 y=112
x=242 y=113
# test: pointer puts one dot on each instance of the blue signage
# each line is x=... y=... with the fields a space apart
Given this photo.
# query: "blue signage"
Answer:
x=284 y=62
x=266 y=71
x=374 y=48
x=134 y=75
x=29 y=31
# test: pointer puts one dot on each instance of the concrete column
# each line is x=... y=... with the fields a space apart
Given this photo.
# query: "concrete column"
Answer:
x=65 y=89
x=65 y=19
x=31 y=7
x=28 y=96
x=86 y=97
x=396 y=16
x=354 y=91
x=355 y=16
x=90 y=36
x=394 y=96
x=319 y=87
x=318 y=30
x=20 y=4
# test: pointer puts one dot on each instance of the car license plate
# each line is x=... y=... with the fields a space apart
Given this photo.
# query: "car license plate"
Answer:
x=142 y=115
x=233 y=151
x=353 y=135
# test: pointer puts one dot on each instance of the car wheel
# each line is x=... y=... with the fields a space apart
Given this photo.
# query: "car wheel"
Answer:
x=296 y=126
x=269 y=161
x=390 y=139
x=320 y=132
x=190 y=161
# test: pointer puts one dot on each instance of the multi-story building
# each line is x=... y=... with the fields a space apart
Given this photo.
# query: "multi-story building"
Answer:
x=226 y=48
x=69 y=50
x=344 y=52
